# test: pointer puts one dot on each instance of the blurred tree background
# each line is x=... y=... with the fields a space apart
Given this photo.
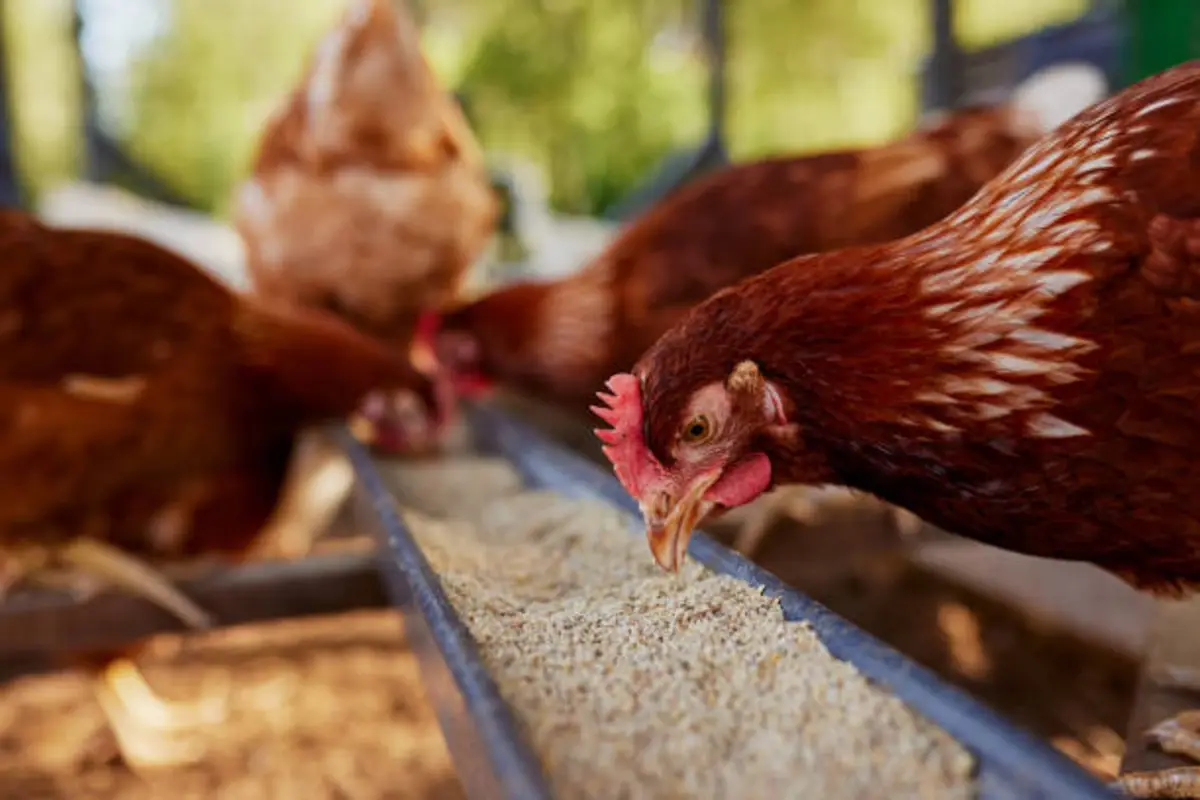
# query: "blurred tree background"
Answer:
x=595 y=93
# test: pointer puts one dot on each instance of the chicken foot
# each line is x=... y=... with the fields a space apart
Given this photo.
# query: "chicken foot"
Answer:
x=140 y=720
x=1179 y=735
x=145 y=726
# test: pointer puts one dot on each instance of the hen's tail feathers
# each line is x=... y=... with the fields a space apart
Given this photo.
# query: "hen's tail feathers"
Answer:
x=128 y=573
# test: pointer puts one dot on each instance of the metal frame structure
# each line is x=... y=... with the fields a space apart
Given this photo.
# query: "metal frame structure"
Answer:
x=952 y=78
x=40 y=624
x=10 y=183
x=947 y=84
x=491 y=756
x=105 y=160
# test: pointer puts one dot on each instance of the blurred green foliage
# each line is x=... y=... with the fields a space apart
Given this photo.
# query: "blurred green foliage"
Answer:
x=45 y=90
x=595 y=93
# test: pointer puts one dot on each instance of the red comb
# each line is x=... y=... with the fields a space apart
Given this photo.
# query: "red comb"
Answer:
x=635 y=466
x=428 y=324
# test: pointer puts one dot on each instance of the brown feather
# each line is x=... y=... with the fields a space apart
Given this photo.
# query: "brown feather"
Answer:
x=133 y=381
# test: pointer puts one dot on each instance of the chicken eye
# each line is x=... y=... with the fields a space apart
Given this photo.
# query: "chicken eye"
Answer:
x=698 y=430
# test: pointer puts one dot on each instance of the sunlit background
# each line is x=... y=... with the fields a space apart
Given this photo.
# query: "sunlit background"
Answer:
x=581 y=104
x=592 y=94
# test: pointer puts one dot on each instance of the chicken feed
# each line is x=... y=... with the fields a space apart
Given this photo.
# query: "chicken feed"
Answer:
x=630 y=682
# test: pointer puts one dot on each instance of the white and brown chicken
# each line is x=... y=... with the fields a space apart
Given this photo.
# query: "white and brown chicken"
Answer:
x=369 y=197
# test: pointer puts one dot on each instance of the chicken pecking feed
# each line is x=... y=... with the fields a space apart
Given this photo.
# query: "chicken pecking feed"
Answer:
x=1025 y=373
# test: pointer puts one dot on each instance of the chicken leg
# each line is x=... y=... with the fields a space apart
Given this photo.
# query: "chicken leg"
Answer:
x=1171 y=665
x=319 y=481
x=141 y=722
x=1179 y=735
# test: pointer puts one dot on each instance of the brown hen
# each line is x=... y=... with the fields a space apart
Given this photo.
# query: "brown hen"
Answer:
x=1025 y=372
x=369 y=196
x=147 y=413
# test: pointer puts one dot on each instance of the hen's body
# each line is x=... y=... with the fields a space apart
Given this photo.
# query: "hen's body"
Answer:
x=1025 y=373
x=369 y=195
x=560 y=340
x=368 y=198
x=144 y=392
x=147 y=413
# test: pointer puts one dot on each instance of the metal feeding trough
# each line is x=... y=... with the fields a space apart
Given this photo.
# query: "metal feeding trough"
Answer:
x=494 y=760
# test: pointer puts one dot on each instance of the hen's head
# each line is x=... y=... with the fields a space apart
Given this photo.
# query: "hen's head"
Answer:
x=498 y=337
x=370 y=97
x=458 y=350
x=404 y=422
x=691 y=453
x=407 y=422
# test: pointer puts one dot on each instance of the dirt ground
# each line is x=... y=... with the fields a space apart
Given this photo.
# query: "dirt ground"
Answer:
x=320 y=709
x=332 y=708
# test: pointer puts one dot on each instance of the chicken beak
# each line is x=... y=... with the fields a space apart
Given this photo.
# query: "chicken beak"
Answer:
x=395 y=422
x=669 y=528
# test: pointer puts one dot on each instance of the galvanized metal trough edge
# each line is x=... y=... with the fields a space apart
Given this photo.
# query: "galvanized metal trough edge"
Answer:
x=46 y=623
x=491 y=756
x=1012 y=763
